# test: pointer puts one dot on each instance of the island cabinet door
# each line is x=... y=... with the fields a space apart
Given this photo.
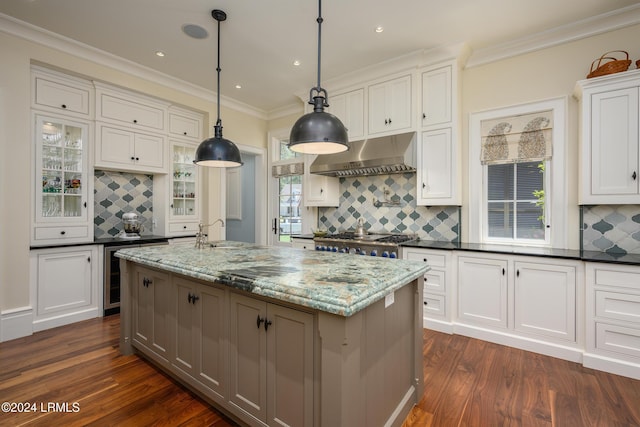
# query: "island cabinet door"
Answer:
x=289 y=367
x=247 y=361
x=151 y=312
x=200 y=338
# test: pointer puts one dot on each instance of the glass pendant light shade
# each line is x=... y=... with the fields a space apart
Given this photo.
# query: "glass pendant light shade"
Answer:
x=217 y=151
x=318 y=132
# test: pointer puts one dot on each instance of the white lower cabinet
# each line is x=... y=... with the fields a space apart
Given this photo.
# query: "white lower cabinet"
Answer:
x=271 y=361
x=200 y=344
x=436 y=313
x=613 y=318
x=64 y=285
x=300 y=243
x=482 y=291
x=526 y=302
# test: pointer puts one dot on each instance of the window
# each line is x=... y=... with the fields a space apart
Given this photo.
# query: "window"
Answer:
x=516 y=197
x=515 y=201
x=287 y=170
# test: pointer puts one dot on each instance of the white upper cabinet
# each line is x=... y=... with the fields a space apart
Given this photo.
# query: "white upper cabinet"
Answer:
x=63 y=212
x=390 y=105
x=319 y=190
x=56 y=92
x=126 y=150
x=438 y=173
x=129 y=109
x=436 y=177
x=349 y=108
x=185 y=124
x=610 y=140
x=437 y=94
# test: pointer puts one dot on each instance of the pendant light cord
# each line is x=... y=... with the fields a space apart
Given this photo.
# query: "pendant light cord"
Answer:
x=319 y=20
x=218 y=121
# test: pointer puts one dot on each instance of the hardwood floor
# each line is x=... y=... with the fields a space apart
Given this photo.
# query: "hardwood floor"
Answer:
x=467 y=383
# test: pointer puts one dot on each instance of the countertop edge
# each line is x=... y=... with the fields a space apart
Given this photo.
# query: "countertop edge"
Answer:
x=262 y=288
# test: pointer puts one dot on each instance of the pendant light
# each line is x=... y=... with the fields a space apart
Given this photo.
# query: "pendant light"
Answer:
x=318 y=132
x=217 y=151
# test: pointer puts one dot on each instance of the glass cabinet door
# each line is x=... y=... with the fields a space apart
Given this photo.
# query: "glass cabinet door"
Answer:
x=61 y=168
x=184 y=197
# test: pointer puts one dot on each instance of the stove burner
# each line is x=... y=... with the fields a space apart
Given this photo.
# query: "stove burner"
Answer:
x=395 y=238
x=383 y=245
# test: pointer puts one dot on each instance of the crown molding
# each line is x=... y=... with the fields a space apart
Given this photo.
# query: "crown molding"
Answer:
x=606 y=22
x=32 y=33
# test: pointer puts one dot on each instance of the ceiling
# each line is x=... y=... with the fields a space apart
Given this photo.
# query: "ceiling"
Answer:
x=261 y=38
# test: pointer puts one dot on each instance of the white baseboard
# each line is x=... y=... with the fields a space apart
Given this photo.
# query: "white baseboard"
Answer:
x=16 y=323
x=614 y=366
x=561 y=351
x=65 y=319
x=437 y=325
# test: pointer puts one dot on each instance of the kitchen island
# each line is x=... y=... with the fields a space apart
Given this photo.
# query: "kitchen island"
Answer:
x=279 y=336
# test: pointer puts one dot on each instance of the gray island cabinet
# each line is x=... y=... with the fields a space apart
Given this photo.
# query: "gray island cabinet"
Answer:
x=279 y=336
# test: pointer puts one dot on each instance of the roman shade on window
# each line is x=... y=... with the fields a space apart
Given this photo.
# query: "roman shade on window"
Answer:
x=288 y=169
x=516 y=139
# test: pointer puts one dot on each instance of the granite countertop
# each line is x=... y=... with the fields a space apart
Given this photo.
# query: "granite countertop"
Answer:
x=335 y=283
x=591 y=256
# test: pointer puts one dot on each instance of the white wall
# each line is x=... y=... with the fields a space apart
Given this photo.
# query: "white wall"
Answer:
x=544 y=74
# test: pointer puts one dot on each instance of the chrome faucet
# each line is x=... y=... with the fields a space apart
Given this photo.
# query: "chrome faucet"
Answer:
x=201 y=237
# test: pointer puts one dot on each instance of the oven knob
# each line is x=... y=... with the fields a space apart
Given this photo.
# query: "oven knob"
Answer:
x=363 y=252
x=334 y=249
x=318 y=248
x=385 y=254
x=374 y=253
x=393 y=255
x=344 y=250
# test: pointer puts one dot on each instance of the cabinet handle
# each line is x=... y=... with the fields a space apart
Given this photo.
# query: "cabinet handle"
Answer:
x=135 y=121
x=133 y=158
x=89 y=259
x=64 y=106
x=137 y=158
x=145 y=282
x=321 y=191
x=386 y=122
x=184 y=133
x=63 y=232
x=503 y=271
x=85 y=204
x=267 y=323
x=634 y=176
x=184 y=226
x=425 y=303
x=424 y=116
x=389 y=120
x=517 y=273
x=189 y=297
x=259 y=320
x=424 y=185
x=424 y=259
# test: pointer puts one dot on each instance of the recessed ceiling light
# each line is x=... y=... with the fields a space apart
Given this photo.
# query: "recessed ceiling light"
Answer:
x=379 y=29
x=238 y=87
x=296 y=63
x=160 y=53
x=195 y=31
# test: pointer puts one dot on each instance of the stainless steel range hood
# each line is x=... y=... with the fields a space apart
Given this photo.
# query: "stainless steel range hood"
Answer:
x=374 y=156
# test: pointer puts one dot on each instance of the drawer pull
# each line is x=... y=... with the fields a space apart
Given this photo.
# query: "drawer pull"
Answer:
x=63 y=232
x=259 y=320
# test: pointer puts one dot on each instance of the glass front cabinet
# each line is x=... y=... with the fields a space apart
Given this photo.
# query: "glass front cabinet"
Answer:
x=184 y=209
x=61 y=209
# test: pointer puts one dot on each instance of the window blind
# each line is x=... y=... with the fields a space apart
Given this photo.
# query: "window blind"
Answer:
x=523 y=138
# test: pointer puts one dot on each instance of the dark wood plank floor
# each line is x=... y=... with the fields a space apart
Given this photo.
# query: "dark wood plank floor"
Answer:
x=468 y=383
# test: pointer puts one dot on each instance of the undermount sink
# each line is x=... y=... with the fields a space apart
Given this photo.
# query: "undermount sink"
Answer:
x=221 y=246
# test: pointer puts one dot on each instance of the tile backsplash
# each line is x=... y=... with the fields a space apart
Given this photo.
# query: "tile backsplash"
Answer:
x=119 y=192
x=387 y=203
x=611 y=228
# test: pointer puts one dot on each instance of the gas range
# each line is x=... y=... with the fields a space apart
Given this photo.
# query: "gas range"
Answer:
x=382 y=245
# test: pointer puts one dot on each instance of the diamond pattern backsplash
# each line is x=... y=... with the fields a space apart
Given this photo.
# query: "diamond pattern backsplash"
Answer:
x=611 y=229
x=387 y=203
x=116 y=193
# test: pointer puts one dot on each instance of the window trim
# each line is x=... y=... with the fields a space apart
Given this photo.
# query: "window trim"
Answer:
x=557 y=175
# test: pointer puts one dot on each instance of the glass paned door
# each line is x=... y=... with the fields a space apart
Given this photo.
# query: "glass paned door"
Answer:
x=61 y=157
x=184 y=182
x=290 y=216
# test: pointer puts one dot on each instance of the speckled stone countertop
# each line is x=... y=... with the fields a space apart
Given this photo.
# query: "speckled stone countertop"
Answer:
x=335 y=283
